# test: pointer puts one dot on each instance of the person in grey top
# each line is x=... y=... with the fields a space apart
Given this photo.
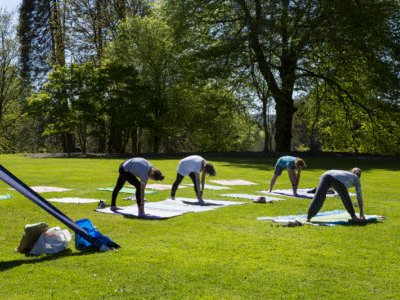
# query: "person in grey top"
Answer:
x=129 y=171
x=340 y=181
x=192 y=166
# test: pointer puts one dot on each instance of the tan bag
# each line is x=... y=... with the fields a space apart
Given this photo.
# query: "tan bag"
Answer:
x=31 y=235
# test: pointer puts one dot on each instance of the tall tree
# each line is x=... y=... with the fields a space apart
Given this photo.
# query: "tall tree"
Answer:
x=42 y=36
x=9 y=80
x=148 y=42
x=291 y=40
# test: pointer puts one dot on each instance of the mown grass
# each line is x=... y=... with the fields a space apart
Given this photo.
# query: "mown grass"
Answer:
x=221 y=254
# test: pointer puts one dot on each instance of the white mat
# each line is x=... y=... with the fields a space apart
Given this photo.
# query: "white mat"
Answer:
x=251 y=197
x=47 y=189
x=302 y=193
x=161 y=187
x=170 y=208
x=234 y=182
x=74 y=200
x=212 y=187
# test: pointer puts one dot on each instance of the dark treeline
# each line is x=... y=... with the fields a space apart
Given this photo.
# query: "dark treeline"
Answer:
x=170 y=76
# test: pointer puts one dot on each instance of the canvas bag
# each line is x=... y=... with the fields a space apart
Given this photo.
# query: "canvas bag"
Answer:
x=52 y=241
x=31 y=235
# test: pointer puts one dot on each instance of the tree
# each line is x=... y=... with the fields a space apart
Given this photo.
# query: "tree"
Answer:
x=10 y=84
x=146 y=44
x=42 y=37
x=9 y=81
x=292 y=40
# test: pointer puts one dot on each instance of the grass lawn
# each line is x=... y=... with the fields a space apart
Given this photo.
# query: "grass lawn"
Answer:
x=221 y=254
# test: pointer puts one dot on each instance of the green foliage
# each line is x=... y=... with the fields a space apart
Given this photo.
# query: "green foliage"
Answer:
x=221 y=254
x=352 y=115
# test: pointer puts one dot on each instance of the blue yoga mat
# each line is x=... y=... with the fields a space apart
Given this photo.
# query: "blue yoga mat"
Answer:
x=327 y=218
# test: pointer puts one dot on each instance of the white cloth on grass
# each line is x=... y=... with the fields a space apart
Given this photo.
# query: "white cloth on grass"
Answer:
x=234 y=182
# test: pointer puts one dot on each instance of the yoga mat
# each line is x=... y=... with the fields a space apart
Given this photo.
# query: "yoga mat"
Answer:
x=161 y=187
x=212 y=187
x=47 y=189
x=302 y=193
x=5 y=197
x=234 y=182
x=251 y=197
x=127 y=190
x=132 y=212
x=170 y=208
x=73 y=200
x=328 y=218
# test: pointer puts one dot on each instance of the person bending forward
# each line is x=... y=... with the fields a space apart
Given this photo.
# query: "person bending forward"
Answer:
x=129 y=171
x=292 y=164
x=340 y=181
x=192 y=166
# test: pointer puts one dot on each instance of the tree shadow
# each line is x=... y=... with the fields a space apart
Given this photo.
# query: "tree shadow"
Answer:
x=6 y=265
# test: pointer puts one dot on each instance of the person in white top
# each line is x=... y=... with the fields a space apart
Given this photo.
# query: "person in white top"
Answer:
x=340 y=181
x=129 y=171
x=192 y=166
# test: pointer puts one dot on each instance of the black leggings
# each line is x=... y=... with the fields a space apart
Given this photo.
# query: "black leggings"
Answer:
x=326 y=182
x=178 y=181
x=122 y=178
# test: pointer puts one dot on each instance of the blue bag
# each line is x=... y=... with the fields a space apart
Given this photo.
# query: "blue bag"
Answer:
x=82 y=244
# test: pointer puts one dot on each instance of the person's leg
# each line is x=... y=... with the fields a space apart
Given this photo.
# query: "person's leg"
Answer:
x=341 y=189
x=118 y=186
x=319 y=196
x=193 y=177
x=177 y=182
x=136 y=183
x=277 y=172
x=273 y=180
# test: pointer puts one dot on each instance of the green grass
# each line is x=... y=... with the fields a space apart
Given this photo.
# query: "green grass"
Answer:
x=221 y=254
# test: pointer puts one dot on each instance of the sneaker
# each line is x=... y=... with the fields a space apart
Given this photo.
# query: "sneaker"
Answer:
x=102 y=204
x=260 y=199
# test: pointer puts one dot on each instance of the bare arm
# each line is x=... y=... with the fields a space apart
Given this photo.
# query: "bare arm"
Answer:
x=298 y=178
x=293 y=180
x=198 y=187
x=142 y=191
x=360 y=200
x=203 y=179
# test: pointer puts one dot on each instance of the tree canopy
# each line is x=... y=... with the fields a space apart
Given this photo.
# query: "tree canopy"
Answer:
x=166 y=76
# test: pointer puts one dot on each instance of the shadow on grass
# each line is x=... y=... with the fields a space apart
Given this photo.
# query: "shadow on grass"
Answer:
x=6 y=265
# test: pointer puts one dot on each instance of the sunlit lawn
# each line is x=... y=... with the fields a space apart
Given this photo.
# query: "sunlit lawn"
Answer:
x=221 y=254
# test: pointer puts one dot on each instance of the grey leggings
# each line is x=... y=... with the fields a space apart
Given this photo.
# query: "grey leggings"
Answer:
x=326 y=182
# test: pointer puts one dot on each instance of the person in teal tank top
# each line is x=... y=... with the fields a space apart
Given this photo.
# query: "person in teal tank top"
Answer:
x=292 y=164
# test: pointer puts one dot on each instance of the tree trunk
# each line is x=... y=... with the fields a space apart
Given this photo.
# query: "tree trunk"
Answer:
x=139 y=139
x=115 y=144
x=156 y=143
x=134 y=140
x=101 y=136
x=67 y=141
x=283 y=124
x=265 y=126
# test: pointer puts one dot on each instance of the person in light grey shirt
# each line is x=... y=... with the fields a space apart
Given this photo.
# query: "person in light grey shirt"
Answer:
x=192 y=166
x=340 y=181
x=129 y=171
